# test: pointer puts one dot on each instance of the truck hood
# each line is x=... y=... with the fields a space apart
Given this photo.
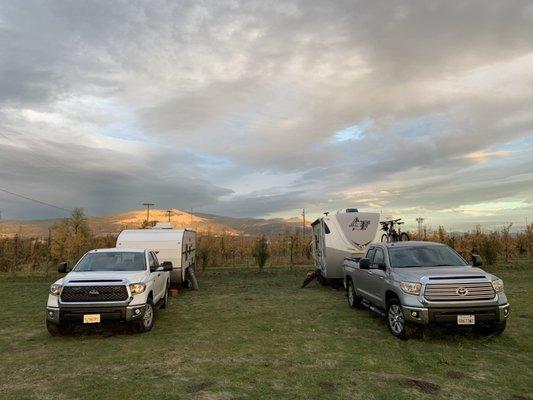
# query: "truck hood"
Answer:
x=416 y=274
x=124 y=277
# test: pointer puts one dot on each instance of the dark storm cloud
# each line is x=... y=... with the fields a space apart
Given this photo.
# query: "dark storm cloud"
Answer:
x=103 y=103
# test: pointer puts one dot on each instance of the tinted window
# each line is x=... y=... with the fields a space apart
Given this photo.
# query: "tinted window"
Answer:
x=152 y=261
x=370 y=255
x=379 y=257
x=425 y=256
x=111 y=261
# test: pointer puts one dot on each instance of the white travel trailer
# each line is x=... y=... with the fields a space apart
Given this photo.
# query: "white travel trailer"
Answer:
x=175 y=245
x=343 y=234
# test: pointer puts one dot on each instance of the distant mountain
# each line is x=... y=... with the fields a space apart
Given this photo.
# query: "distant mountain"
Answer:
x=113 y=224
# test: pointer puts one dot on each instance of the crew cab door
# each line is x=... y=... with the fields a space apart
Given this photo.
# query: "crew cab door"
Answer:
x=157 y=276
x=362 y=277
x=376 y=278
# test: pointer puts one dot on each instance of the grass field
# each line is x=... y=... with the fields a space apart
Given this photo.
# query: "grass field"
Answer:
x=251 y=335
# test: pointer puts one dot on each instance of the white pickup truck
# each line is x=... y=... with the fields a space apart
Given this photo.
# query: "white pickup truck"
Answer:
x=109 y=285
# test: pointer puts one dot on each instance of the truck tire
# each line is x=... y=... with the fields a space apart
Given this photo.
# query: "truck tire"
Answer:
x=59 y=329
x=146 y=323
x=396 y=320
x=354 y=301
x=496 y=328
x=164 y=304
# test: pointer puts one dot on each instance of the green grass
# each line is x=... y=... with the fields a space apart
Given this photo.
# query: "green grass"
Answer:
x=251 y=335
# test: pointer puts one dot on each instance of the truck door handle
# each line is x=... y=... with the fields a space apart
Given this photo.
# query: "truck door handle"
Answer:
x=158 y=274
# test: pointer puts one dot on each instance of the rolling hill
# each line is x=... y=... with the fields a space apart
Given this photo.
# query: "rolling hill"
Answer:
x=113 y=224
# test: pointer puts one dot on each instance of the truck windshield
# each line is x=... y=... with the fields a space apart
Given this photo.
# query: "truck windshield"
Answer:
x=424 y=256
x=112 y=261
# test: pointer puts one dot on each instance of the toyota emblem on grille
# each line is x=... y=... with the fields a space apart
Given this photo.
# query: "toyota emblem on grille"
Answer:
x=94 y=292
x=461 y=291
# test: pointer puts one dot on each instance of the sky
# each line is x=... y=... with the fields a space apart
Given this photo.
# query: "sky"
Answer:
x=262 y=108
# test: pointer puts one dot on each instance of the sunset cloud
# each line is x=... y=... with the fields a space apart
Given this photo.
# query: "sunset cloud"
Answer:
x=258 y=109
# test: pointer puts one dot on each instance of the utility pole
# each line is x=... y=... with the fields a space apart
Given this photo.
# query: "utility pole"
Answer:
x=169 y=213
x=148 y=205
x=420 y=221
x=303 y=223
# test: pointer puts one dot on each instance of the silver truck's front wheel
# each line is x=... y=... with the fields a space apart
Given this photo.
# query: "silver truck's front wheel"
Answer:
x=396 y=322
x=396 y=319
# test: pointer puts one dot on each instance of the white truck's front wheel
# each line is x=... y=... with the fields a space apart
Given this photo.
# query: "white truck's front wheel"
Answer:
x=146 y=323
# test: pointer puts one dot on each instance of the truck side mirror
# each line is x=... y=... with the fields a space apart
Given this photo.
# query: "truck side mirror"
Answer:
x=167 y=265
x=62 y=267
x=364 y=263
x=477 y=261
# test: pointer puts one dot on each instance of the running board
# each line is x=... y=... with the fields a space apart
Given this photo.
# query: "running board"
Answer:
x=373 y=308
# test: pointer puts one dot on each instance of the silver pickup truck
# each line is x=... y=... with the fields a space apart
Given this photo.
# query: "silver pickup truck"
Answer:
x=416 y=284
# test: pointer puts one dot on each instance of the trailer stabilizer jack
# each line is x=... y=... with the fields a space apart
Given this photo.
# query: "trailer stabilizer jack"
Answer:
x=311 y=276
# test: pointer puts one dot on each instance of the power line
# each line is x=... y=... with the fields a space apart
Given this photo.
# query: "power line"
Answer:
x=34 y=200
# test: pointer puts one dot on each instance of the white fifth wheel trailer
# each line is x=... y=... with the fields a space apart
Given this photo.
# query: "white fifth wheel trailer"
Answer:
x=346 y=233
x=175 y=245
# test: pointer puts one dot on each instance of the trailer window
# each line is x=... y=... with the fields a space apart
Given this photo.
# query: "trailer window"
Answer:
x=326 y=229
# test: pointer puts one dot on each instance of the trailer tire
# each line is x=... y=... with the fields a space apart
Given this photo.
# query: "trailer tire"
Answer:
x=384 y=238
x=404 y=237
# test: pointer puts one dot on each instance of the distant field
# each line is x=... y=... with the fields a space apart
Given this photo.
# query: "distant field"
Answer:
x=251 y=335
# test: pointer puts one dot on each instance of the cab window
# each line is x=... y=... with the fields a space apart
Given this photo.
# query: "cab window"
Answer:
x=370 y=255
x=152 y=261
x=379 y=257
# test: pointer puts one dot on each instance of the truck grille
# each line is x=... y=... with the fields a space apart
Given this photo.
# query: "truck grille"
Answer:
x=84 y=294
x=459 y=291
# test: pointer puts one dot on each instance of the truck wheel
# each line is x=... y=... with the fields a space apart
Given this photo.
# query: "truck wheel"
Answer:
x=146 y=323
x=396 y=320
x=165 y=298
x=496 y=328
x=59 y=329
x=353 y=300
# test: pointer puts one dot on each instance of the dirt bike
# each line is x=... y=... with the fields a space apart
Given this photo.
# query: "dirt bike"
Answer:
x=391 y=234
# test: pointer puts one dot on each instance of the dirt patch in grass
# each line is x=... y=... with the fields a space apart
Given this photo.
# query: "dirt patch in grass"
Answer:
x=328 y=387
x=455 y=374
x=198 y=387
x=423 y=386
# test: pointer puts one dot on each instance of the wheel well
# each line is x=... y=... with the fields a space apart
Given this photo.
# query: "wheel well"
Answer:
x=151 y=295
x=390 y=295
x=348 y=278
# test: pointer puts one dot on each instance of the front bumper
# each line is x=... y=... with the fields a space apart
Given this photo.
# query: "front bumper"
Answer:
x=75 y=314
x=448 y=315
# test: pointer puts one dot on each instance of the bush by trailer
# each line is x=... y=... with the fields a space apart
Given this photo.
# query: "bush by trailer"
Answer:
x=175 y=245
x=343 y=234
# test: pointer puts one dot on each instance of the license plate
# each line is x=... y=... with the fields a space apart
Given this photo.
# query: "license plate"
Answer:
x=466 y=319
x=91 y=318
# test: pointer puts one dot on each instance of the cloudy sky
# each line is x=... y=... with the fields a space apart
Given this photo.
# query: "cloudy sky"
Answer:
x=261 y=108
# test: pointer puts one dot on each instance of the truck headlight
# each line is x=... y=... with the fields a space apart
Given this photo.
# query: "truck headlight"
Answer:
x=411 y=287
x=55 y=289
x=497 y=285
x=137 y=288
